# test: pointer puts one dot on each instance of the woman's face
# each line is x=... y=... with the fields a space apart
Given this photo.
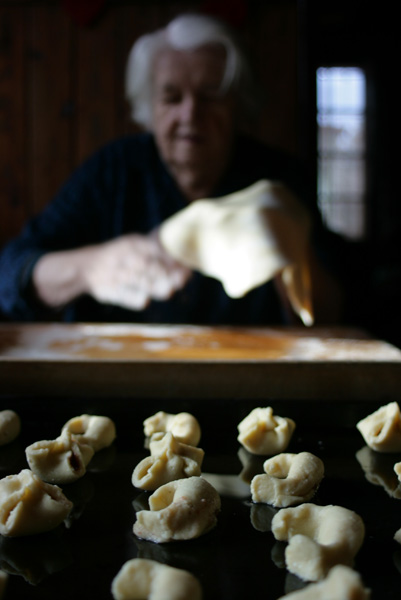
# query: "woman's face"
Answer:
x=193 y=122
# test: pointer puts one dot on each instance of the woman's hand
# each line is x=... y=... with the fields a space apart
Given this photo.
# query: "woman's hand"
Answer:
x=128 y=271
x=133 y=270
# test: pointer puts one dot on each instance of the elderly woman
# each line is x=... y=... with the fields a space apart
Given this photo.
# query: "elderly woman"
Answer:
x=94 y=252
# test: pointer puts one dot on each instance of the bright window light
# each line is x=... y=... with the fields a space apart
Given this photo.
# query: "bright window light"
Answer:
x=341 y=124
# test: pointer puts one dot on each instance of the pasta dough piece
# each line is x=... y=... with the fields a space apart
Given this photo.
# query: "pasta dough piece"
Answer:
x=382 y=429
x=141 y=578
x=10 y=426
x=261 y=432
x=245 y=239
x=289 y=479
x=319 y=537
x=183 y=426
x=341 y=583
x=98 y=431
x=62 y=460
x=179 y=510
x=169 y=460
x=28 y=505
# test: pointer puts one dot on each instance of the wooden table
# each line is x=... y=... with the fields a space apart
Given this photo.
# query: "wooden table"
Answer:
x=163 y=361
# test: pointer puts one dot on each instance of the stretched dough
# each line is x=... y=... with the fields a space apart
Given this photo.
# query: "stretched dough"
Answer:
x=245 y=239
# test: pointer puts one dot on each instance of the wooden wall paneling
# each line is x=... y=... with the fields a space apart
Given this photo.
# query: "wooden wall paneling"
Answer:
x=50 y=90
x=273 y=42
x=14 y=191
x=97 y=85
x=129 y=25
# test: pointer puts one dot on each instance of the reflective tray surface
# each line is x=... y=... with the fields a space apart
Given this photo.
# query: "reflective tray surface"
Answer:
x=240 y=557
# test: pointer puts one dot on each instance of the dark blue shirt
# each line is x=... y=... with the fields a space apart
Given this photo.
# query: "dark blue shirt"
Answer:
x=124 y=188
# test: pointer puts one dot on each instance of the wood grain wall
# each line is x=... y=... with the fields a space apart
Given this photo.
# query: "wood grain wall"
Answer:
x=62 y=88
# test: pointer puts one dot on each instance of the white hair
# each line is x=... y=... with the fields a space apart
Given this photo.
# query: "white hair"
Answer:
x=187 y=32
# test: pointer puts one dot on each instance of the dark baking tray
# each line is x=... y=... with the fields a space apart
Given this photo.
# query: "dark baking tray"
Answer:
x=239 y=558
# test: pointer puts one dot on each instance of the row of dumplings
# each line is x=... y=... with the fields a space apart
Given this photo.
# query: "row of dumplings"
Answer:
x=183 y=506
x=322 y=540
x=31 y=501
x=381 y=431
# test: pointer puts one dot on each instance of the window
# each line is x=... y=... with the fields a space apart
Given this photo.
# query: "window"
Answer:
x=341 y=144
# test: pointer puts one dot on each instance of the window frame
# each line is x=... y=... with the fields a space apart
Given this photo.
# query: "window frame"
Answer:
x=336 y=198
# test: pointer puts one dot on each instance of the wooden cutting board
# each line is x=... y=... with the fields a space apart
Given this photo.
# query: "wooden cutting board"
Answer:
x=191 y=361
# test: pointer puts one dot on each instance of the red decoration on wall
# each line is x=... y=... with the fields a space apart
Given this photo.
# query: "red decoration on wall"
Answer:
x=232 y=12
x=83 y=12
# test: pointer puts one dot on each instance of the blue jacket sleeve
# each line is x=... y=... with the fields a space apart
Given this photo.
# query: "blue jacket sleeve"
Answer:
x=85 y=211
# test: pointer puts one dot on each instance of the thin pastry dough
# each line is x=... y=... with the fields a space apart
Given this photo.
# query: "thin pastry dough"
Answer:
x=245 y=239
